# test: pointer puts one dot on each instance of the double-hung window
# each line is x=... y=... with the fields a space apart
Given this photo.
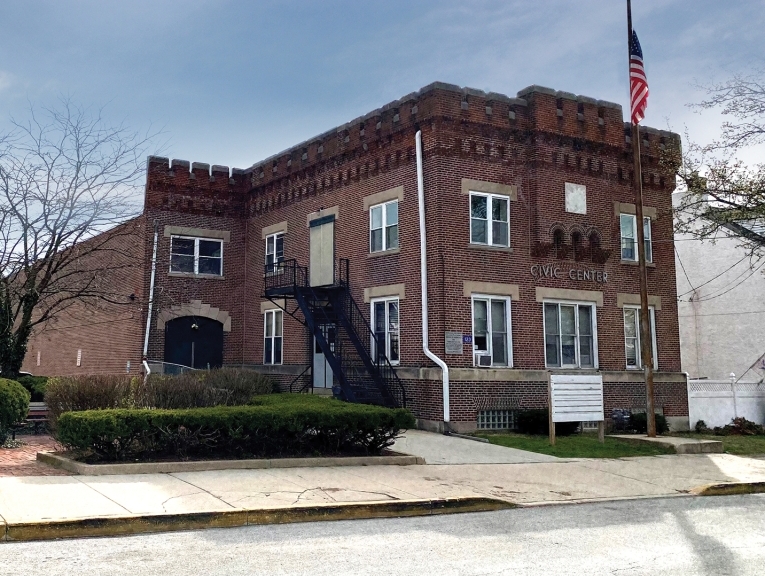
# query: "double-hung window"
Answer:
x=383 y=227
x=628 y=226
x=489 y=219
x=385 y=323
x=274 y=251
x=570 y=335
x=273 y=335
x=491 y=331
x=196 y=255
x=632 y=350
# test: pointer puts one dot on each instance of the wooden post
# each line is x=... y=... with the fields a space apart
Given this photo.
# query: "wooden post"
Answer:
x=551 y=424
x=602 y=431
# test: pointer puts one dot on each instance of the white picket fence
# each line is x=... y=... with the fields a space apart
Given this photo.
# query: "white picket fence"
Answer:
x=716 y=402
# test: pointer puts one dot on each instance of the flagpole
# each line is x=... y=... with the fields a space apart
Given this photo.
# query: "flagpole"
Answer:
x=646 y=351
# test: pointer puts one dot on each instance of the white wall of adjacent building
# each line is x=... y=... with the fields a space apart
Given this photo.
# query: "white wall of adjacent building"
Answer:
x=721 y=307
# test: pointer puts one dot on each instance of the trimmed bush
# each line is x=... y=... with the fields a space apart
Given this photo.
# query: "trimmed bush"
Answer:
x=639 y=423
x=537 y=423
x=14 y=405
x=198 y=389
x=35 y=385
x=78 y=393
x=278 y=425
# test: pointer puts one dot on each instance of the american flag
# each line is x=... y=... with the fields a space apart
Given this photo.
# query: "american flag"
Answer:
x=638 y=81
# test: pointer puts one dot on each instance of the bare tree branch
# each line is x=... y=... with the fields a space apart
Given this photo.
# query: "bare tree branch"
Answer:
x=66 y=177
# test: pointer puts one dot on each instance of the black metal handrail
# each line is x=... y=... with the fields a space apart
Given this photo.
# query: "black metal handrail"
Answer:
x=385 y=369
x=298 y=377
x=284 y=274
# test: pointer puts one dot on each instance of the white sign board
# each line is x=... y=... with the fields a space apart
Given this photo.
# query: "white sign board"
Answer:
x=576 y=398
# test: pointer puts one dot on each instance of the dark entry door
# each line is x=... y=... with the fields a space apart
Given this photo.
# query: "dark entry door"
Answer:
x=195 y=342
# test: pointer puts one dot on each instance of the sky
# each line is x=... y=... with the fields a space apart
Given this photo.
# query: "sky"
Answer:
x=233 y=82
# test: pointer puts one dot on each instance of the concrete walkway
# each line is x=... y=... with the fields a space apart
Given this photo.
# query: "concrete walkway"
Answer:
x=440 y=449
x=67 y=498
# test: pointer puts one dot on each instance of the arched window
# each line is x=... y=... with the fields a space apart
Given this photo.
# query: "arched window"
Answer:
x=576 y=243
x=558 y=243
x=595 y=252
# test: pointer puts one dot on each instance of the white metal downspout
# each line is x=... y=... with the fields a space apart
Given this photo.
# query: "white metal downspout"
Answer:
x=424 y=278
x=151 y=299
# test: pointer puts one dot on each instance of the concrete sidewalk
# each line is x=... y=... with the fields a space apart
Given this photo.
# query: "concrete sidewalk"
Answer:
x=33 y=501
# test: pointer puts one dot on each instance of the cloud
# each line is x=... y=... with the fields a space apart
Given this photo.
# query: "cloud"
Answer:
x=6 y=81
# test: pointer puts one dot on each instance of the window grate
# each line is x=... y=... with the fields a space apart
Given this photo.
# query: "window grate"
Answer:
x=496 y=420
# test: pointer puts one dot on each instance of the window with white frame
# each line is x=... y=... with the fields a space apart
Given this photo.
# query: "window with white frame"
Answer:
x=489 y=219
x=383 y=226
x=632 y=350
x=628 y=226
x=570 y=335
x=196 y=255
x=274 y=251
x=385 y=323
x=492 y=344
x=273 y=336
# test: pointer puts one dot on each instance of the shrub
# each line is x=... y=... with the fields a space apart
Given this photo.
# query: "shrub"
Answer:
x=537 y=422
x=35 y=385
x=740 y=427
x=277 y=425
x=198 y=389
x=77 y=393
x=639 y=423
x=14 y=405
x=701 y=427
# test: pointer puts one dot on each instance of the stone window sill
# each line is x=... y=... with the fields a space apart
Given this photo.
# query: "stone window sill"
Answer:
x=507 y=249
x=192 y=275
x=636 y=263
x=384 y=253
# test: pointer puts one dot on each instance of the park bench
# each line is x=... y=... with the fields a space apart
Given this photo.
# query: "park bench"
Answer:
x=37 y=415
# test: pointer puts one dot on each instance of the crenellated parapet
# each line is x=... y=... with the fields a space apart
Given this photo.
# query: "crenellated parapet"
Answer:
x=195 y=187
x=568 y=131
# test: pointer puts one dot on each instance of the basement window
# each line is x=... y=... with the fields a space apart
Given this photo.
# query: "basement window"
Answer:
x=496 y=420
x=189 y=255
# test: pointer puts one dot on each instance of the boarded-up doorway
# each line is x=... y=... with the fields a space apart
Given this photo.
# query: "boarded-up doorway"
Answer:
x=322 y=265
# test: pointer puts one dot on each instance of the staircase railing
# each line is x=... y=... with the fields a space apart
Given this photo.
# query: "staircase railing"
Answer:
x=326 y=305
x=365 y=338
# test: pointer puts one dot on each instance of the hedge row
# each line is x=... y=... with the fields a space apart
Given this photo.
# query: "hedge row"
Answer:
x=14 y=405
x=198 y=389
x=278 y=425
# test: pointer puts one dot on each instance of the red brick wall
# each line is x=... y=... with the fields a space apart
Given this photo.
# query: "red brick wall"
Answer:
x=109 y=335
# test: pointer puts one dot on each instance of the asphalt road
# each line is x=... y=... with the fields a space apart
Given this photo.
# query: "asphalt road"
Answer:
x=689 y=536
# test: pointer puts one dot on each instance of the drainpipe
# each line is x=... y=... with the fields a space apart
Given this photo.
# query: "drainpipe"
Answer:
x=424 y=279
x=151 y=298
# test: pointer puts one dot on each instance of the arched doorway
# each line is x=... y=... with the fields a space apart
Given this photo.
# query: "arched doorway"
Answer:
x=194 y=341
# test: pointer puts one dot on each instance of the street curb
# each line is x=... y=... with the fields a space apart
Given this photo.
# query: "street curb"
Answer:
x=89 y=527
x=59 y=460
x=730 y=489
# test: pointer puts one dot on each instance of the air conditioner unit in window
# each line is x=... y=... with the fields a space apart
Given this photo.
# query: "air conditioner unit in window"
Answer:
x=482 y=359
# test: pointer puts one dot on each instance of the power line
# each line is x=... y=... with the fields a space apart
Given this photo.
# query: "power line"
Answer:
x=732 y=287
x=713 y=278
x=720 y=313
x=683 y=268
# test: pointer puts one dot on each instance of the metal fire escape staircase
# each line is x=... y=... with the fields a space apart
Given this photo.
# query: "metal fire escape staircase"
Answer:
x=360 y=375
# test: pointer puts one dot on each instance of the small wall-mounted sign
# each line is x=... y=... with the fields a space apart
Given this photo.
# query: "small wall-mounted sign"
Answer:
x=453 y=342
x=467 y=339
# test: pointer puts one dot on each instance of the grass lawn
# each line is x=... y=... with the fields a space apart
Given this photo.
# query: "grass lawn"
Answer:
x=575 y=446
x=739 y=445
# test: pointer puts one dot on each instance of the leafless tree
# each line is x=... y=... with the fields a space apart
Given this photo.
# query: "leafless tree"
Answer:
x=66 y=176
x=722 y=190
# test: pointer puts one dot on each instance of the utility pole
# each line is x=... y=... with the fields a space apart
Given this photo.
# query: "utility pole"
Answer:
x=646 y=351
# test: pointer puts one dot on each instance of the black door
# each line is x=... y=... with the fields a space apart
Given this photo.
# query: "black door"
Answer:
x=195 y=342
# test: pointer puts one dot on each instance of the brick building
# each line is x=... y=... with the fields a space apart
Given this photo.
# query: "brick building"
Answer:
x=307 y=264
